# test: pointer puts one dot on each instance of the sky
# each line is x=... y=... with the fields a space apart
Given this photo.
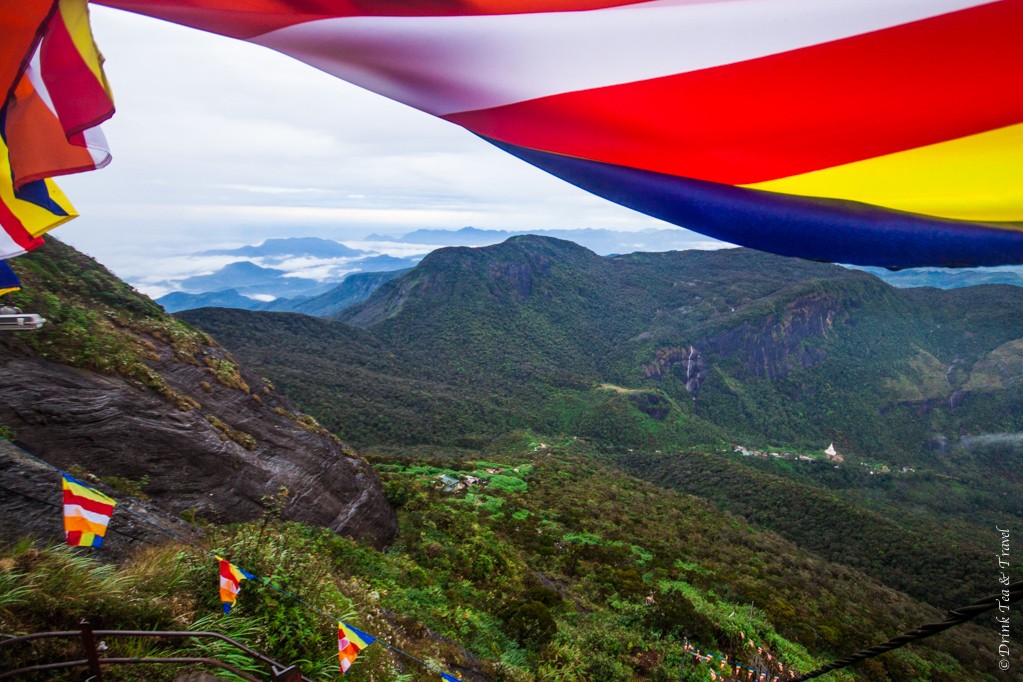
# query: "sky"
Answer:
x=217 y=142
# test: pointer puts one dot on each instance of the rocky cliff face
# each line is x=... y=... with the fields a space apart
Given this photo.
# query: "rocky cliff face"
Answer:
x=129 y=392
x=31 y=501
x=767 y=348
x=772 y=347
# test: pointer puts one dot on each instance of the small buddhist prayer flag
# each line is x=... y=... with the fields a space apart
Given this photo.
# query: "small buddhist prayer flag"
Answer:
x=8 y=280
x=449 y=678
x=350 y=642
x=231 y=578
x=87 y=512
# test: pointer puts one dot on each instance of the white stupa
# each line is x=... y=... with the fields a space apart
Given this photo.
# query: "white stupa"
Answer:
x=832 y=454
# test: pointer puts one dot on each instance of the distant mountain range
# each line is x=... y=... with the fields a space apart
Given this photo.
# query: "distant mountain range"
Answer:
x=600 y=241
x=229 y=298
x=353 y=289
x=248 y=278
x=290 y=247
x=947 y=278
x=249 y=285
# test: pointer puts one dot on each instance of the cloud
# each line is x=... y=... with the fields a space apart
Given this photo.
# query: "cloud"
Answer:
x=992 y=439
x=218 y=141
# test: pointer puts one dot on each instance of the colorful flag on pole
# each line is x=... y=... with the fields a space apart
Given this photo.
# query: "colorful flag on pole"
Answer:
x=231 y=578
x=350 y=642
x=87 y=512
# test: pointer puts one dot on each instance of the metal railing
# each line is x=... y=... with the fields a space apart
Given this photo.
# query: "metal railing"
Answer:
x=94 y=661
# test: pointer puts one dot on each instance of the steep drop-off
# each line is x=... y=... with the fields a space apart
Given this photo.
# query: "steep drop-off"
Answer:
x=113 y=385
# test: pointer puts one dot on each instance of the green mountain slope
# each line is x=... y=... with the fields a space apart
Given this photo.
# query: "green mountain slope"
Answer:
x=725 y=344
x=539 y=563
x=694 y=351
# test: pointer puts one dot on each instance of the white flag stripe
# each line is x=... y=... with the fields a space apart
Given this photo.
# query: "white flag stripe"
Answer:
x=92 y=517
x=8 y=247
x=450 y=64
x=35 y=77
x=99 y=148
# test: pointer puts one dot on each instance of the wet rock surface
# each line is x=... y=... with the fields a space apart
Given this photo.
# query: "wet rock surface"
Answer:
x=209 y=446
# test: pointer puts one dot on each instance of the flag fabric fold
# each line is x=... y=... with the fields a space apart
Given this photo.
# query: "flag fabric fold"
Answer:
x=350 y=642
x=39 y=143
x=876 y=132
x=231 y=578
x=56 y=96
x=87 y=513
x=50 y=120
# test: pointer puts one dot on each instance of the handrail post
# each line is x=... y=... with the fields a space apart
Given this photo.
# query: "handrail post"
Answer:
x=89 y=644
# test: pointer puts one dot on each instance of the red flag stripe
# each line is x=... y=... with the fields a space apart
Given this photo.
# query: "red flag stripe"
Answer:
x=14 y=228
x=794 y=112
x=24 y=23
x=88 y=503
x=78 y=97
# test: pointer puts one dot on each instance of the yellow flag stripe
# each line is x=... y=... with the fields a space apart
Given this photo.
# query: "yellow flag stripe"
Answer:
x=90 y=493
x=352 y=637
x=979 y=177
x=36 y=220
x=75 y=14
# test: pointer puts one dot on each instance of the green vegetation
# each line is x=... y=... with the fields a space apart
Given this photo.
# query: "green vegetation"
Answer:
x=555 y=430
x=85 y=323
x=580 y=572
x=648 y=351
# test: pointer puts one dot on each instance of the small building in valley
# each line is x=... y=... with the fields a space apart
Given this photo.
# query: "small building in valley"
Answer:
x=833 y=455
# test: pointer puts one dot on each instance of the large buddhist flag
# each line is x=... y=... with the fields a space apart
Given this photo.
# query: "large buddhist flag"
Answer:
x=231 y=578
x=349 y=643
x=87 y=512
x=885 y=132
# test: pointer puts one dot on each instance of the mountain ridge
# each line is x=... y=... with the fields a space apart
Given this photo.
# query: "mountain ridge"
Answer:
x=769 y=339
